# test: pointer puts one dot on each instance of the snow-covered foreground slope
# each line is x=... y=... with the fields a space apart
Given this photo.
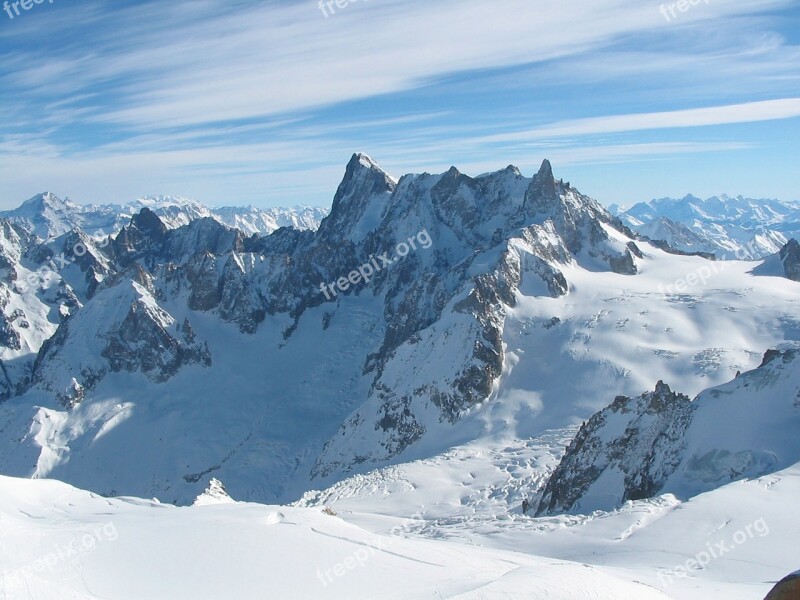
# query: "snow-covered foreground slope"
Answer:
x=734 y=542
x=60 y=543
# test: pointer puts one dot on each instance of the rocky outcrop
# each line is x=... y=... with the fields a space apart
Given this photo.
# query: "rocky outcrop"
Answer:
x=661 y=442
x=624 y=452
x=122 y=329
x=148 y=341
x=790 y=257
x=787 y=588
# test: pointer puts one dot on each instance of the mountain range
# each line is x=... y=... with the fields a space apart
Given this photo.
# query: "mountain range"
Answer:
x=47 y=216
x=727 y=227
x=165 y=354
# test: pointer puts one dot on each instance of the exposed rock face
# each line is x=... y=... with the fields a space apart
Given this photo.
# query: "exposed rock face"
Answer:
x=360 y=202
x=661 y=442
x=123 y=329
x=578 y=219
x=790 y=256
x=144 y=343
x=529 y=228
x=634 y=445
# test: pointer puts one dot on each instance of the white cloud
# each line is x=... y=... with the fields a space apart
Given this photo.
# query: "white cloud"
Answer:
x=749 y=112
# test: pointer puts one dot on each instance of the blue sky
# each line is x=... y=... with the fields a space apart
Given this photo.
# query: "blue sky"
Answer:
x=263 y=103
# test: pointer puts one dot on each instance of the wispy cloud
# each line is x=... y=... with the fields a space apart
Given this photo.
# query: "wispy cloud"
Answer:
x=182 y=89
x=750 y=112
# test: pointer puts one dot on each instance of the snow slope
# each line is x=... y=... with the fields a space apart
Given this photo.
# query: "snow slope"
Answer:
x=472 y=496
x=60 y=543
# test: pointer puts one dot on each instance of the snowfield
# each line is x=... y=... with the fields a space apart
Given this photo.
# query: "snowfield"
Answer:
x=60 y=543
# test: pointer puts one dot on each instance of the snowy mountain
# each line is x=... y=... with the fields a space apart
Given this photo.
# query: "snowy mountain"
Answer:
x=407 y=374
x=263 y=221
x=661 y=442
x=426 y=312
x=46 y=216
x=727 y=227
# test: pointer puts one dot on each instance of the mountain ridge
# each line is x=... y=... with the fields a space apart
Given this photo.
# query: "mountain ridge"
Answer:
x=662 y=442
x=212 y=353
x=47 y=216
x=726 y=226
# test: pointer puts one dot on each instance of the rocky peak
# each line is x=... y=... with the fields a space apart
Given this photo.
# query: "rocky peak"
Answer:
x=542 y=191
x=786 y=354
x=145 y=235
x=636 y=440
x=44 y=215
x=360 y=200
x=203 y=235
x=214 y=494
x=362 y=176
x=148 y=223
x=39 y=203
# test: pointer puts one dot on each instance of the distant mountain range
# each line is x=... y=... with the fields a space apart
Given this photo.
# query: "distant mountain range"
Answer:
x=727 y=227
x=47 y=216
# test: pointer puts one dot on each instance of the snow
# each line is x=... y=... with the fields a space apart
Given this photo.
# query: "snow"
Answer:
x=47 y=216
x=215 y=494
x=58 y=542
x=619 y=334
x=611 y=334
x=463 y=496
x=726 y=226
x=439 y=526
